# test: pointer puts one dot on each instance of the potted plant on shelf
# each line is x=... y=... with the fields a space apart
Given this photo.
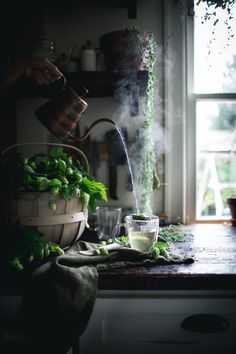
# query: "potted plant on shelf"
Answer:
x=231 y=201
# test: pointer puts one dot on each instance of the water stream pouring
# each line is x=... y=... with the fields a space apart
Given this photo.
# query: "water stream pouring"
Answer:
x=61 y=114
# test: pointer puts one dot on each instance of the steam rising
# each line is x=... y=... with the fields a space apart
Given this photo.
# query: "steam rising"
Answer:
x=146 y=141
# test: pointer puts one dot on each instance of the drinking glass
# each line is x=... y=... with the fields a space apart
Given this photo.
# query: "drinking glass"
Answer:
x=142 y=232
x=106 y=219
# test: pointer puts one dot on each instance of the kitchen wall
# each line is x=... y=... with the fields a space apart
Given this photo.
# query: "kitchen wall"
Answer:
x=71 y=21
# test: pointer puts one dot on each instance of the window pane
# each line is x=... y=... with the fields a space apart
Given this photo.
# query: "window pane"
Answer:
x=214 y=51
x=216 y=157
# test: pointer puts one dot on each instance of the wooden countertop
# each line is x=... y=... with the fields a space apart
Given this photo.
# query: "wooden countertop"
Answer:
x=213 y=247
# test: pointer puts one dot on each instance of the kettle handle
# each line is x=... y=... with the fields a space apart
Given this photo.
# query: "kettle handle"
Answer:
x=62 y=86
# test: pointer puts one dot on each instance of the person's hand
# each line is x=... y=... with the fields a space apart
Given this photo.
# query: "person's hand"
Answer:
x=40 y=70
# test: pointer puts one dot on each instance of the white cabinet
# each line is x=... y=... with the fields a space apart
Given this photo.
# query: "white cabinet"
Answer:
x=151 y=322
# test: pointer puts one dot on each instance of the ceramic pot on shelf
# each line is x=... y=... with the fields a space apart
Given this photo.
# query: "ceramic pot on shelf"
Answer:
x=231 y=201
x=43 y=47
x=121 y=50
x=88 y=57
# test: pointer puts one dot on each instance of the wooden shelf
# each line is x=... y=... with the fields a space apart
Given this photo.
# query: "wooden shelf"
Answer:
x=98 y=84
x=103 y=83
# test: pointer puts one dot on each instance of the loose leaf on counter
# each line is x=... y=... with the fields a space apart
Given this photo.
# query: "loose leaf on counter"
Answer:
x=161 y=244
x=32 y=247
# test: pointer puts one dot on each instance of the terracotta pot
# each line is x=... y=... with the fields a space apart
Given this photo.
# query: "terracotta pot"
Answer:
x=231 y=201
x=121 y=51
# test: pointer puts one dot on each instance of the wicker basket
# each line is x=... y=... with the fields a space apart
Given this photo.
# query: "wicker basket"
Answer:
x=64 y=225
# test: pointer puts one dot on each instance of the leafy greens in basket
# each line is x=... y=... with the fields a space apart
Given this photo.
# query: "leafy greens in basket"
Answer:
x=59 y=174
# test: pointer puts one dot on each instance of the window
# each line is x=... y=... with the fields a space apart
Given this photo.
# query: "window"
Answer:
x=200 y=110
x=215 y=111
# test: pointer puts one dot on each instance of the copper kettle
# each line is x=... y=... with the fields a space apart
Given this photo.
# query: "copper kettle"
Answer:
x=61 y=113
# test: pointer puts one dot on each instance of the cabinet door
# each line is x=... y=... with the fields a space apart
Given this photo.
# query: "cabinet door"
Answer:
x=171 y=324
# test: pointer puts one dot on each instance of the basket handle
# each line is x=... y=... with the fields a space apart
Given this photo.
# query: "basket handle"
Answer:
x=86 y=164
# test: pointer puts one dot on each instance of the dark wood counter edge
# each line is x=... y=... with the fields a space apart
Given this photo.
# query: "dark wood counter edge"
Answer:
x=168 y=282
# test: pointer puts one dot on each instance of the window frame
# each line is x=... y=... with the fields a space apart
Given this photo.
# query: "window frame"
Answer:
x=175 y=109
x=180 y=169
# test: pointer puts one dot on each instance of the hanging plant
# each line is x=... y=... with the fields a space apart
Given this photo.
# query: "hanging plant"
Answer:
x=212 y=14
x=129 y=51
x=212 y=5
x=147 y=163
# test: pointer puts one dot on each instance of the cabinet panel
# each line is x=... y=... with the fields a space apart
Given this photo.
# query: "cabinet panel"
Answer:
x=135 y=325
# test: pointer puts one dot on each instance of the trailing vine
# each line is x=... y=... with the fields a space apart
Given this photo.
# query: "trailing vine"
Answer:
x=148 y=51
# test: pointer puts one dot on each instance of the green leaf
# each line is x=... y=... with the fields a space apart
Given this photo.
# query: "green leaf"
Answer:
x=38 y=249
x=63 y=179
x=46 y=249
x=31 y=232
x=16 y=263
x=67 y=191
x=164 y=253
x=77 y=176
x=27 y=238
x=31 y=258
x=155 y=253
x=161 y=244
x=28 y=169
x=123 y=238
x=54 y=190
x=103 y=251
x=57 y=152
x=55 y=249
x=96 y=252
x=62 y=166
x=69 y=171
x=92 y=203
x=96 y=189
x=52 y=205
x=46 y=164
x=85 y=197
x=55 y=182
x=43 y=185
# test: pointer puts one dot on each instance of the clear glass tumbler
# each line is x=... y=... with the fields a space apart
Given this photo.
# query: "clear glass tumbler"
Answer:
x=106 y=219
